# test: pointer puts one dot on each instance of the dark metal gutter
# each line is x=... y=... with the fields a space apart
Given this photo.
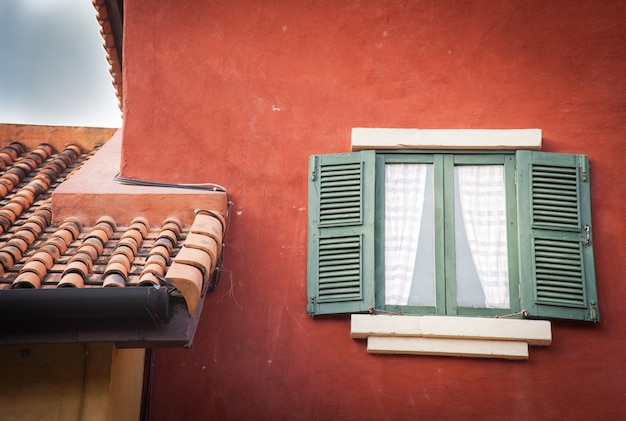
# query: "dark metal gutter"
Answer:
x=131 y=317
x=85 y=303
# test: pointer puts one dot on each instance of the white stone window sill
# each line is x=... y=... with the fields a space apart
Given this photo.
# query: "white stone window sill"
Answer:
x=451 y=336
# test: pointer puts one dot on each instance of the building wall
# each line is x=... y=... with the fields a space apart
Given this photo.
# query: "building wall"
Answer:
x=87 y=382
x=240 y=94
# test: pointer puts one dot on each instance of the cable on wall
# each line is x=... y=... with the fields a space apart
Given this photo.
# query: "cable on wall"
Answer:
x=200 y=186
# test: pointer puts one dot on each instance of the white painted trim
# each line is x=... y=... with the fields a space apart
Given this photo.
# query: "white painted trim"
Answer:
x=497 y=139
x=447 y=335
x=534 y=332
x=448 y=347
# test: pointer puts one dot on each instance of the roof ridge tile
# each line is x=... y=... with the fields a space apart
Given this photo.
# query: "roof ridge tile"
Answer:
x=188 y=280
x=198 y=254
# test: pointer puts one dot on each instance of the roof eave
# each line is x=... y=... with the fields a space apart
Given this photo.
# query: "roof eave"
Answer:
x=138 y=332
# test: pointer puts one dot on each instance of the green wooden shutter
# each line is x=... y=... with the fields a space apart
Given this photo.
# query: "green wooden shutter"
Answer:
x=340 y=275
x=557 y=274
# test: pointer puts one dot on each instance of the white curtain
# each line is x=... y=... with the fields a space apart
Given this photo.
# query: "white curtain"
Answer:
x=404 y=202
x=483 y=206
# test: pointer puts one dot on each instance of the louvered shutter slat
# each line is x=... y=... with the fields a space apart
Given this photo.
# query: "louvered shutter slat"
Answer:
x=556 y=261
x=555 y=196
x=559 y=259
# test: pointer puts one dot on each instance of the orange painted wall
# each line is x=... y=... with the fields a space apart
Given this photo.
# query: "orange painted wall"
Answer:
x=241 y=93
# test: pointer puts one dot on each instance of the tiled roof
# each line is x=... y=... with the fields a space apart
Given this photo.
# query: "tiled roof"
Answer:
x=110 y=17
x=37 y=254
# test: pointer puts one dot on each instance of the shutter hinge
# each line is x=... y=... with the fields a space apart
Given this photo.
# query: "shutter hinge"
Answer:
x=584 y=167
x=593 y=312
x=587 y=235
x=311 y=306
x=314 y=172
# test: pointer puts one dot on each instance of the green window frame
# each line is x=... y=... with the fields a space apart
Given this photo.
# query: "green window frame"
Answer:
x=550 y=250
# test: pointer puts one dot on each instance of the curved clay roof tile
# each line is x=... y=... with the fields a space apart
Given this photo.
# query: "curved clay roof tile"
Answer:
x=52 y=250
x=15 y=208
x=96 y=243
x=100 y=234
x=174 y=220
x=33 y=227
x=35 y=266
x=25 y=198
x=27 y=280
x=148 y=279
x=66 y=235
x=77 y=266
x=172 y=227
x=73 y=228
x=6 y=260
x=20 y=243
x=90 y=250
x=59 y=243
x=157 y=259
x=153 y=268
x=126 y=251
x=14 y=251
x=81 y=256
x=140 y=220
x=107 y=221
x=75 y=149
x=71 y=280
x=188 y=280
x=160 y=250
x=115 y=280
x=137 y=232
x=46 y=258
x=12 y=152
x=26 y=235
x=170 y=235
x=122 y=260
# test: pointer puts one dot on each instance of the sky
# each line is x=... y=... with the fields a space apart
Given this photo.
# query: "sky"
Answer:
x=53 y=68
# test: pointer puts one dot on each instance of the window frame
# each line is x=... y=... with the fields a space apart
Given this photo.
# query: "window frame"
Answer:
x=444 y=162
x=363 y=294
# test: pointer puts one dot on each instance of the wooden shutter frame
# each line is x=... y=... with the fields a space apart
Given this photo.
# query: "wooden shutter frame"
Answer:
x=559 y=239
x=322 y=233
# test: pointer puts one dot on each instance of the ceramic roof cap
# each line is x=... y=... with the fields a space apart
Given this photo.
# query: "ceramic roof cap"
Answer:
x=188 y=280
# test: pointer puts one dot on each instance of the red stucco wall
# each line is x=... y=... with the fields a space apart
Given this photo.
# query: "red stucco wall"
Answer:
x=241 y=93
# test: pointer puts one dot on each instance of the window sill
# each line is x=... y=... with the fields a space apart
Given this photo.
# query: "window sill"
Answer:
x=450 y=336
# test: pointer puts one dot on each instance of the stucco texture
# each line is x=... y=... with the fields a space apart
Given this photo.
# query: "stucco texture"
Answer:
x=241 y=93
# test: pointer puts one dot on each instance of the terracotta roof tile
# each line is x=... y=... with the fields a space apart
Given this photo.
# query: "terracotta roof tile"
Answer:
x=199 y=255
x=113 y=50
x=36 y=253
x=188 y=280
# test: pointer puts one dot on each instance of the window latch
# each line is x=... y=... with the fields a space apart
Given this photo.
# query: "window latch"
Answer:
x=373 y=310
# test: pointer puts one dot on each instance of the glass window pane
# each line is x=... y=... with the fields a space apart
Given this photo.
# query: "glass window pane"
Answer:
x=480 y=236
x=409 y=235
